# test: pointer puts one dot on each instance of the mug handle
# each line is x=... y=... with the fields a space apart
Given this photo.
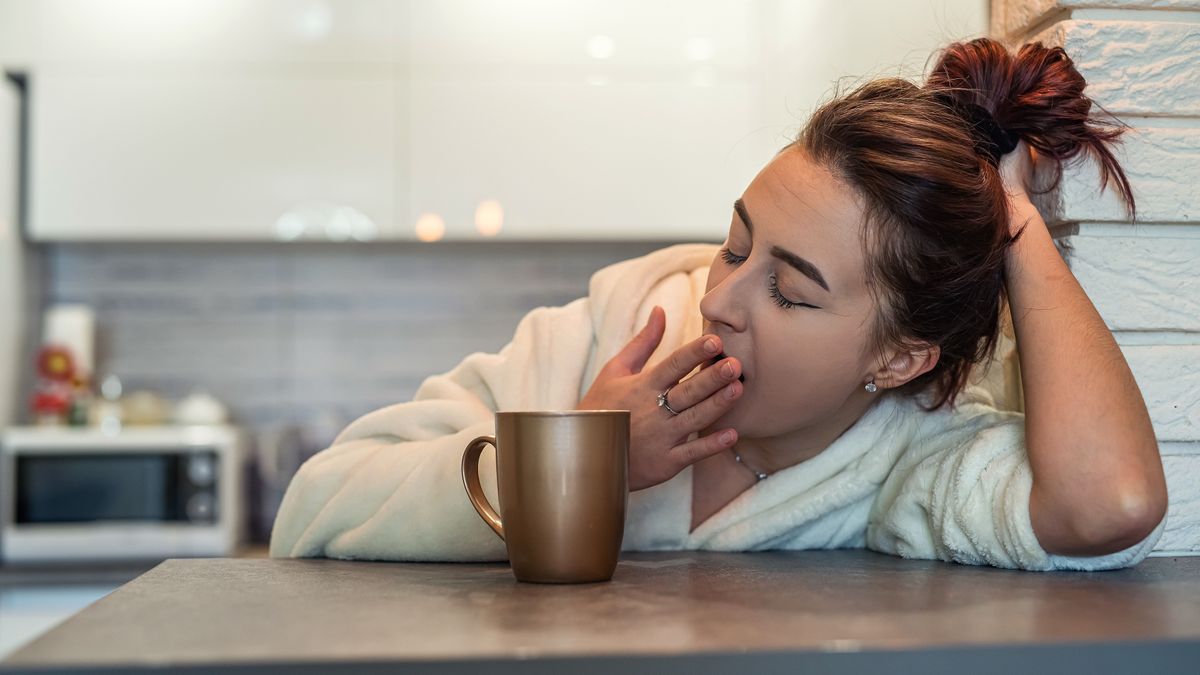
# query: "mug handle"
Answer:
x=470 y=475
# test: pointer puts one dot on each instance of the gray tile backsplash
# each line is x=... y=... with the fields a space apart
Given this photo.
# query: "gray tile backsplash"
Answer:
x=301 y=339
x=275 y=330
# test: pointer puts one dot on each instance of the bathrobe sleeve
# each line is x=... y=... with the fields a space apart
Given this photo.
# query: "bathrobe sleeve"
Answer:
x=390 y=486
x=960 y=493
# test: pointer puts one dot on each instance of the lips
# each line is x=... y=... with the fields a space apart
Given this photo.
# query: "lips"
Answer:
x=722 y=355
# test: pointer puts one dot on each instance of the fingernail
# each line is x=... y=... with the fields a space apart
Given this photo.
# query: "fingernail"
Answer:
x=727 y=438
x=727 y=370
x=710 y=346
x=731 y=391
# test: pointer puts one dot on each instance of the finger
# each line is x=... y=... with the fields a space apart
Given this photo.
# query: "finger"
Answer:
x=702 y=385
x=685 y=359
x=703 y=447
x=704 y=413
x=637 y=351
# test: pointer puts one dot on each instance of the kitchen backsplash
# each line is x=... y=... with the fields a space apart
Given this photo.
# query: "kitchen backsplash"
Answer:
x=301 y=339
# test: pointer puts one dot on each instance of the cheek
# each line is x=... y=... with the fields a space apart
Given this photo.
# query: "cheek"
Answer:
x=803 y=368
x=790 y=378
x=781 y=382
x=802 y=395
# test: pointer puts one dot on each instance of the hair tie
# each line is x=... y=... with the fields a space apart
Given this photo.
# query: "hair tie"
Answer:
x=991 y=140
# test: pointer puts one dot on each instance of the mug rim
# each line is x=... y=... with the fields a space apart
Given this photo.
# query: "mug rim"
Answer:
x=558 y=413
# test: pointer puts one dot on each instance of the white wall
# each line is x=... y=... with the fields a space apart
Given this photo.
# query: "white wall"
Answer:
x=11 y=270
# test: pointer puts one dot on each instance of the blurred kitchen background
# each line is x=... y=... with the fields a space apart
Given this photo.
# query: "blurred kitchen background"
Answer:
x=230 y=227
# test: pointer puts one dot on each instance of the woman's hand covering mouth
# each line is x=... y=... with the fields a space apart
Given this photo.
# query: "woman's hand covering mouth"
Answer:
x=723 y=355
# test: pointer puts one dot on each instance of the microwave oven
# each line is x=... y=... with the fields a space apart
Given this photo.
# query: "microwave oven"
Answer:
x=87 y=494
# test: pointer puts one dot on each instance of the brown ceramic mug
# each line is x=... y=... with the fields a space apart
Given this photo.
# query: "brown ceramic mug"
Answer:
x=563 y=484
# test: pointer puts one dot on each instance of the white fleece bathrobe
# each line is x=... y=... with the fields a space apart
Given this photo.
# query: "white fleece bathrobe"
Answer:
x=950 y=485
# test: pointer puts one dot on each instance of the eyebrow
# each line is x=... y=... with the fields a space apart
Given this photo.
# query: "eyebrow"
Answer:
x=800 y=264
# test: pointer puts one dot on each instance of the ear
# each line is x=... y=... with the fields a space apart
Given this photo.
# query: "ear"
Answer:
x=904 y=366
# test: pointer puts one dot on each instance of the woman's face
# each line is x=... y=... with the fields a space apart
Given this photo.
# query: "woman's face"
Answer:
x=788 y=296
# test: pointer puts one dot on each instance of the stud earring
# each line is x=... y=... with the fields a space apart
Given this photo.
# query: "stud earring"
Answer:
x=870 y=386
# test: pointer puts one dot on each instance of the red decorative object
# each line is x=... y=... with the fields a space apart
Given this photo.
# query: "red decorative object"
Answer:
x=54 y=401
x=54 y=363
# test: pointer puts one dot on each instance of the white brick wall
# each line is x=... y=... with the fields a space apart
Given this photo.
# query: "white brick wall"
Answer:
x=1015 y=17
x=1162 y=164
x=1141 y=278
x=1136 y=66
x=1183 y=481
x=1141 y=59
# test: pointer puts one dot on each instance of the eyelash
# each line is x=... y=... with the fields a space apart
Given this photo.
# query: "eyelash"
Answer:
x=731 y=259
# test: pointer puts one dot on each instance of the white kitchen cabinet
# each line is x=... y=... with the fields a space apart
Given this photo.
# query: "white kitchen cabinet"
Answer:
x=210 y=157
x=565 y=160
x=590 y=120
x=200 y=33
x=355 y=119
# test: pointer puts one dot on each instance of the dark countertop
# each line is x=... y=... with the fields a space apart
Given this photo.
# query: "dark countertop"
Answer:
x=693 y=612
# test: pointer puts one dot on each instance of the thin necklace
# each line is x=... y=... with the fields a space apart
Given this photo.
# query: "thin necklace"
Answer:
x=757 y=474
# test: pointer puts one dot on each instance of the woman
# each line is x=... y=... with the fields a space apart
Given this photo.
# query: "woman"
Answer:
x=835 y=329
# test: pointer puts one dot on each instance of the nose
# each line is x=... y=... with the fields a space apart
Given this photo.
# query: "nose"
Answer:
x=725 y=301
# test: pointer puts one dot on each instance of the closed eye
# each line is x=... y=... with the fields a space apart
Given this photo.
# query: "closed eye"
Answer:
x=733 y=259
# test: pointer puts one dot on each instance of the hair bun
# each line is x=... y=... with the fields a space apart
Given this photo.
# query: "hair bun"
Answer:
x=1035 y=95
x=991 y=140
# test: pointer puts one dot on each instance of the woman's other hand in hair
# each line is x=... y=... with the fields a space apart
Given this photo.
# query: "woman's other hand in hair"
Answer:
x=1018 y=172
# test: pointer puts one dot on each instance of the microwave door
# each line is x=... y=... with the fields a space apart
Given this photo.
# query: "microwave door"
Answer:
x=138 y=487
